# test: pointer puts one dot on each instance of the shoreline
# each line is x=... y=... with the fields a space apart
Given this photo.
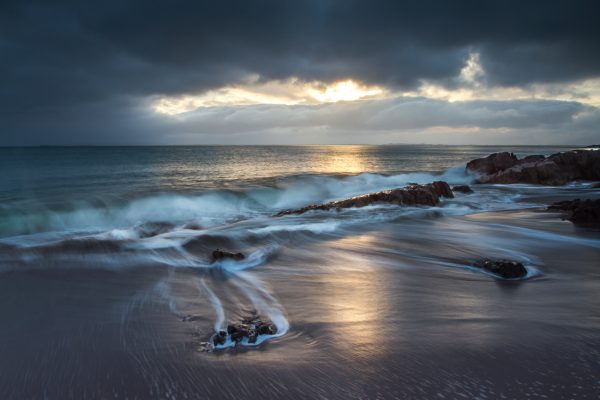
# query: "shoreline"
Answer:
x=381 y=301
x=352 y=323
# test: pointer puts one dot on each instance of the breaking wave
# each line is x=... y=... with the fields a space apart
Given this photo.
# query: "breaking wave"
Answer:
x=125 y=218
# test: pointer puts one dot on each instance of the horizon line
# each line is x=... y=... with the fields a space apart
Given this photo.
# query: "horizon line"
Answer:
x=295 y=145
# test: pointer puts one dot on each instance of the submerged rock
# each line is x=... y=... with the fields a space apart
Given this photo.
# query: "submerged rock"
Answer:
x=250 y=328
x=462 y=189
x=427 y=195
x=150 y=229
x=580 y=212
x=219 y=255
x=503 y=268
x=193 y=226
x=556 y=169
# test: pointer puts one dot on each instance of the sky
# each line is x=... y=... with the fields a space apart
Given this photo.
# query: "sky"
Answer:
x=146 y=72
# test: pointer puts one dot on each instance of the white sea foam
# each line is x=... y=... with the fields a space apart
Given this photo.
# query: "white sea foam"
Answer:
x=116 y=219
x=216 y=304
x=265 y=304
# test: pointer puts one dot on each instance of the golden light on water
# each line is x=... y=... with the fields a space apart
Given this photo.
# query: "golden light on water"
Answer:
x=355 y=298
x=344 y=160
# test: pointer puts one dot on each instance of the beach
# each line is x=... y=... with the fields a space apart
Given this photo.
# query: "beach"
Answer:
x=107 y=289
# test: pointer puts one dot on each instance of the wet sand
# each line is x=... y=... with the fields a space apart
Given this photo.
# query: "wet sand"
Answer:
x=384 y=312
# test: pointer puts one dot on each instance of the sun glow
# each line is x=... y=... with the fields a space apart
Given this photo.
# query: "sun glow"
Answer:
x=289 y=92
x=470 y=85
x=344 y=91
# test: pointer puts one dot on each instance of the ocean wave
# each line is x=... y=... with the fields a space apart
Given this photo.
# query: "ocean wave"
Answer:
x=121 y=218
x=182 y=229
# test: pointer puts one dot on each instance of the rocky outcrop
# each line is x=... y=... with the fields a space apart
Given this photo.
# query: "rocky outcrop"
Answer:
x=579 y=212
x=219 y=255
x=426 y=195
x=556 y=169
x=493 y=163
x=462 y=189
x=249 y=328
x=503 y=268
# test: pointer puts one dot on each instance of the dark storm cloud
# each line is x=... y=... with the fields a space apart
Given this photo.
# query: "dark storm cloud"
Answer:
x=59 y=58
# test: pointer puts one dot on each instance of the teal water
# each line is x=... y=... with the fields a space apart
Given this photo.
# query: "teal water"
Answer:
x=78 y=172
x=51 y=188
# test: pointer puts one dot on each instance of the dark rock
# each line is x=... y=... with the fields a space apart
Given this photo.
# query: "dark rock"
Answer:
x=534 y=158
x=579 y=212
x=462 y=189
x=503 y=268
x=266 y=329
x=239 y=334
x=150 y=229
x=427 y=195
x=556 y=169
x=219 y=255
x=250 y=328
x=231 y=329
x=566 y=205
x=586 y=215
x=492 y=163
x=193 y=226
x=219 y=338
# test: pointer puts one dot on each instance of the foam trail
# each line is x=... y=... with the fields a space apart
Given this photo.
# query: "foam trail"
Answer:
x=216 y=303
x=549 y=236
x=184 y=259
x=264 y=302
x=319 y=227
x=254 y=259
x=164 y=290
x=531 y=270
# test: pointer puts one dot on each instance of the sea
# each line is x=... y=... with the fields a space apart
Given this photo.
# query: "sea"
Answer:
x=108 y=288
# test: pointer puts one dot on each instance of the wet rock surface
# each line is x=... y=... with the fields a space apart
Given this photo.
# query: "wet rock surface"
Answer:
x=462 y=189
x=219 y=255
x=193 y=226
x=580 y=212
x=493 y=163
x=250 y=328
x=426 y=195
x=503 y=268
x=557 y=169
x=150 y=229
